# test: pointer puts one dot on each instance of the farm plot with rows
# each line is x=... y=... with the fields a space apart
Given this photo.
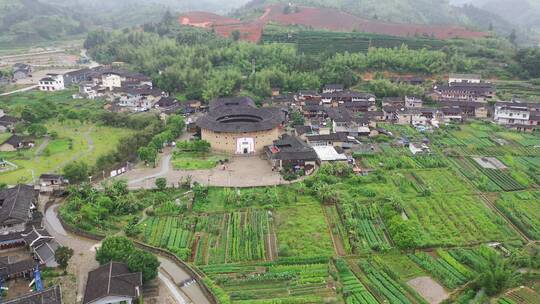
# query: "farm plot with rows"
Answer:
x=304 y=280
x=453 y=220
x=439 y=181
x=232 y=237
x=167 y=232
x=444 y=268
x=385 y=284
x=354 y=291
x=476 y=259
x=365 y=226
x=215 y=238
x=339 y=232
x=303 y=231
x=523 y=209
x=500 y=177
x=523 y=295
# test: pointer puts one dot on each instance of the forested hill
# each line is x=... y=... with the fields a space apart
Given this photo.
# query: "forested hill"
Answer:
x=402 y=11
x=32 y=21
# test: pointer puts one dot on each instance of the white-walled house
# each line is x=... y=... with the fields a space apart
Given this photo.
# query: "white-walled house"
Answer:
x=517 y=115
x=464 y=78
x=52 y=83
x=111 y=81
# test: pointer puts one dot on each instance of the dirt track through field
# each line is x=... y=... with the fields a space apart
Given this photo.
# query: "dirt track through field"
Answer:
x=336 y=239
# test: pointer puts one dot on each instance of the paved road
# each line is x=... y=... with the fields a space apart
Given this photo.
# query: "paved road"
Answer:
x=30 y=88
x=162 y=170
x=84 y=259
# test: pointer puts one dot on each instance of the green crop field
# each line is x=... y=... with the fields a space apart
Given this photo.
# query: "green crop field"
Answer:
x=302 y=231
x=523 y=209
x=453 y=220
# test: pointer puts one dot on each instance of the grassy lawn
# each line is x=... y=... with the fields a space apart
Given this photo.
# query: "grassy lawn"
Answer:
x=88 y=142
x=302 y=231
x=196 y=160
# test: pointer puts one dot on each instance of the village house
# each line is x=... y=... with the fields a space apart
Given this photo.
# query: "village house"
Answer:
x=12 y=268
x=21 y=71
x=139 y=99
x=51 y=182
x=517 y=115
x=52 y=83
x=334 y=139
x=52 y=295
x=413 y=102
x=344 y=121
x=17 y=206
x=7 y=123
x=468 y=109
x=293 y=152
x=303 y=131
x=304 y=95
x=393 y=102
x=14 y=143
x=76 y=77
x=42 y=245
x=464 y=78
x=90 y=90
x=333 y=88
x=329 y=154
x=353 y=101
x=477 y=92
x=113 y=283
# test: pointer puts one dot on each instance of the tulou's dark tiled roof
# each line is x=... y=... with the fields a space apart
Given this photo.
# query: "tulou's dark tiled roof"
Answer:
x=112 y=279
x=234 y=115
x=15 y=204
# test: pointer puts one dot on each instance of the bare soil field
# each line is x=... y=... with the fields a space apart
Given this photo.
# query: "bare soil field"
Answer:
x=429 y=289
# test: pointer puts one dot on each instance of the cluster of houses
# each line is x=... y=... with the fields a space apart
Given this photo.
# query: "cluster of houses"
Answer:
x=336 y=119
x=21 y=227
x=18 y=71
x=124 y=90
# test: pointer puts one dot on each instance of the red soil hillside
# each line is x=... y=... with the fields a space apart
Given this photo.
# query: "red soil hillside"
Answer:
x=224 y=26
x=319 y=18
x=332 y=19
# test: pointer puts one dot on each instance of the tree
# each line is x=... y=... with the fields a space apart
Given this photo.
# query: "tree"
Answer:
x=76 y=172
x=37 y=130
x=297 y=119
x=497 y=275
x=115 y=248
x=144 y=262
x=161 y=183
x=147 y=154
x=62 y=255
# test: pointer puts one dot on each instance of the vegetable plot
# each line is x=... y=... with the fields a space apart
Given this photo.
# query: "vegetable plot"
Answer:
x=353 y=290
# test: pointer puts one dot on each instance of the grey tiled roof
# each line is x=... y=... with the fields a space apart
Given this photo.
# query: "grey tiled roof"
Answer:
x=112 y=279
